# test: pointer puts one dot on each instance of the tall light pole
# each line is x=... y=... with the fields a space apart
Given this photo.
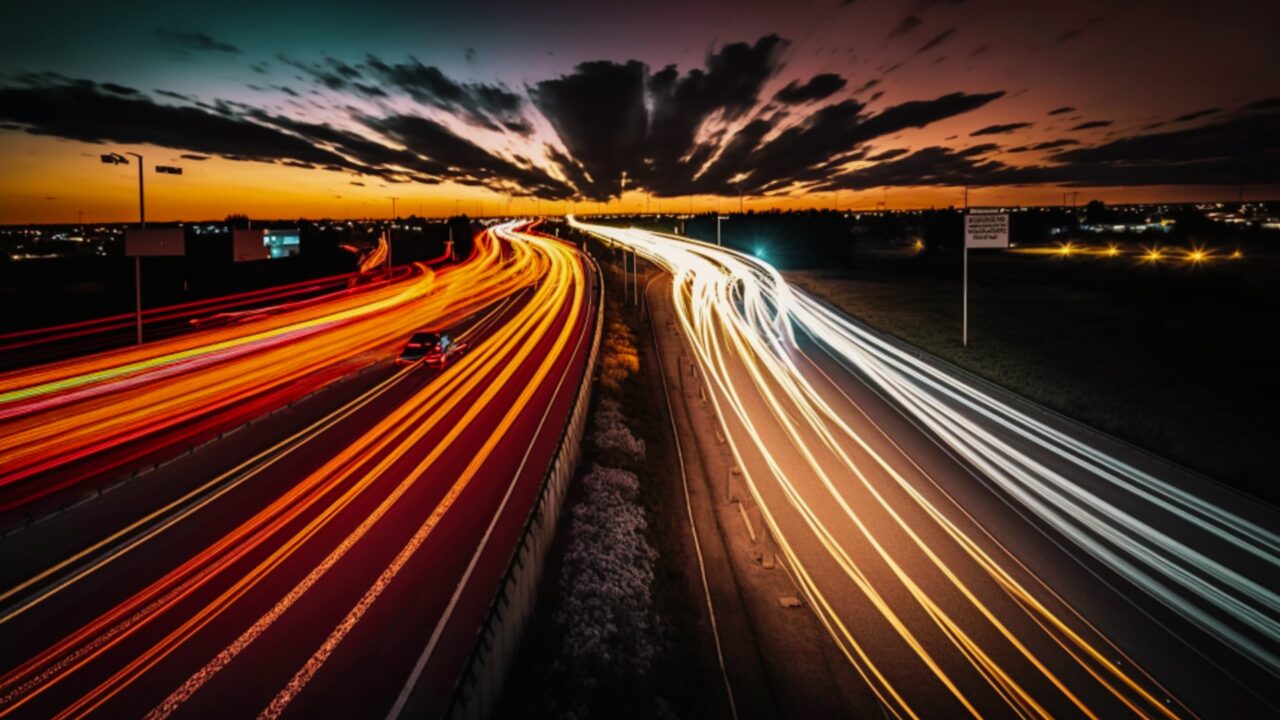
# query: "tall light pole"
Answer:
x=389 y=231
x=118 y=159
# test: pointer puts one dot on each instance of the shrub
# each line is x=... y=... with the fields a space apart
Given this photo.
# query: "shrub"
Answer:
x=612 y=437
x=606 y=609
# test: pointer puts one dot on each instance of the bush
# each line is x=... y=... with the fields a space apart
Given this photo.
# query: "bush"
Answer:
x=607 y=605
x=613 y=439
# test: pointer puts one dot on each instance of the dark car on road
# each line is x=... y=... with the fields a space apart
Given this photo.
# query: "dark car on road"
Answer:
x=430 y=348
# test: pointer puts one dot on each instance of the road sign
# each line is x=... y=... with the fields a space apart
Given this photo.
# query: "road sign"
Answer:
x=168 y=169
x=247 y=245
x=146 y=243
x=986 y=229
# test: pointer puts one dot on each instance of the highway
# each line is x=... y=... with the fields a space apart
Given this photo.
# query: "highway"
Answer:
x=970 y=554
x=310 y=578
x=67 y=423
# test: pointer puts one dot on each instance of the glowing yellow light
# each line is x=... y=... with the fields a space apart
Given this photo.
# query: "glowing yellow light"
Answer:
x=1112 y=251
x=1153 y=255
x=1197 y=256
x=1237 y=255
x=918 y=245
x=1065 y=249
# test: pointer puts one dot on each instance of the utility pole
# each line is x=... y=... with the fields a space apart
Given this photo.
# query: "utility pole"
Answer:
x=137 y=259
x=390 y=229
x=964 y=333
x=718 y=219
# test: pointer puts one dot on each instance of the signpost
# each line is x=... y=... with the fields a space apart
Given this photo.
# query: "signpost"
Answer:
x=983 y=228
x=146 y=242
x=150 y=243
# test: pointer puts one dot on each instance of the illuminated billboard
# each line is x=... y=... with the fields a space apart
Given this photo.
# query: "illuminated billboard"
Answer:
x=282 y=243
x=249 y=245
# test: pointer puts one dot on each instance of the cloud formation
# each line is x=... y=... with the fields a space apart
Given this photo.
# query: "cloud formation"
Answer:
x=734 y=122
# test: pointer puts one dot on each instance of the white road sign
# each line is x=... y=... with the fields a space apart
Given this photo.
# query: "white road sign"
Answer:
x=986 y=229
x=162 y=241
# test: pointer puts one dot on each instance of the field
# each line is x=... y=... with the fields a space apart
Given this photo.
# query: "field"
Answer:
x=1177 y=357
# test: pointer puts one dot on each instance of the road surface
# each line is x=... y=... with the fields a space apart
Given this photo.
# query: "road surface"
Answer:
x=969 y=554
x=315 y=586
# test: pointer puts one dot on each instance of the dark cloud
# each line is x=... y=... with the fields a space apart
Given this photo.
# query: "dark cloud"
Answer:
x=80 y=110
x=172 y=94
x=909 y=23
x=937 y=40
x=888 y=154
x=194 y=158
x=979 y=50
x=1197 y=115
x=1000 y=129
x=118 y=89
x=599 y=113
x=1070 y=34
x=1240 y=149
x=1092 y=124
x=682 y=105
x=813 y=150
x=614 y=118
x=461 y=160
x=491 y=106
x=1244 y=141
x=867 y=86
x=1265 y=104
x=1054 y=144
x=196 y=41
x=819 y=87
x=1062 y=110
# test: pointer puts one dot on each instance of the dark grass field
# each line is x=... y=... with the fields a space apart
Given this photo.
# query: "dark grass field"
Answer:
x=1176 y=357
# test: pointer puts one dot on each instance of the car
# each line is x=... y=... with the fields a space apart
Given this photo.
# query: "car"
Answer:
x=430 y=348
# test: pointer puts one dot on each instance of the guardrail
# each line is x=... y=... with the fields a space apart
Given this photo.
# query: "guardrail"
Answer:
x=482 y=678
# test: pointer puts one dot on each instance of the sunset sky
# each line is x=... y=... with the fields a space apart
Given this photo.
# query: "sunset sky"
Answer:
x=288 y=109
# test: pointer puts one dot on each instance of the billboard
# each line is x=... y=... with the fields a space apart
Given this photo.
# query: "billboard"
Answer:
x=282 y=243
x=161 y=241
x=986 y=229
x=247 y=245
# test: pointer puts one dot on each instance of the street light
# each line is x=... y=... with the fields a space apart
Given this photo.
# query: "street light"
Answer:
x=115 y=158
x=390 y=229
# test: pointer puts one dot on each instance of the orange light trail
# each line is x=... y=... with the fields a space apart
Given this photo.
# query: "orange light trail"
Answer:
x=539 y=335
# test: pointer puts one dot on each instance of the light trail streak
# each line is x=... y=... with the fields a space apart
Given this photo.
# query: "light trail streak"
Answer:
x=108 y=410
x=823 y=483
x=320 y=508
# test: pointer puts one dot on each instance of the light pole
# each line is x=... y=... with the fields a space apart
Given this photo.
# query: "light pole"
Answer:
x=118 y=159
x=390 y=229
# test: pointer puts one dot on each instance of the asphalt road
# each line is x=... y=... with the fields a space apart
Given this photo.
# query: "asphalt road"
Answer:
x=968 y=556
x=313 y=586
